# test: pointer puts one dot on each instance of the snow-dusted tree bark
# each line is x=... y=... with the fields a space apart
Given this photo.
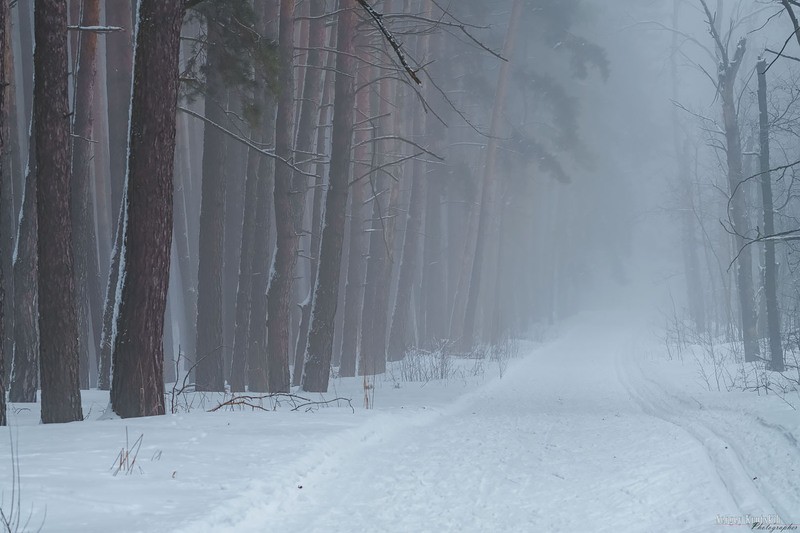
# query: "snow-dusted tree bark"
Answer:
x=288 y=202
x=489 y=188
x=316 y=371
x=5 y=38
x=210 y=343
x=107 y=333
x=9 y=204
x=87 y=275
x=311 y=134
x=58 y=350
x=25 y=371
x=137 y=385
x=770 y=266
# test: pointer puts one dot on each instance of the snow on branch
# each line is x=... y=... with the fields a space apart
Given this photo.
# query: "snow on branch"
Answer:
x=96 y=29
x=391 y=39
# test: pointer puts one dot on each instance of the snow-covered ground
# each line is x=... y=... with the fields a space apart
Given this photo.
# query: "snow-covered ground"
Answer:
x=591 y=432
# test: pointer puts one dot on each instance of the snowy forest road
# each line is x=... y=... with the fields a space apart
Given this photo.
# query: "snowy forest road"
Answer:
x=573 y=438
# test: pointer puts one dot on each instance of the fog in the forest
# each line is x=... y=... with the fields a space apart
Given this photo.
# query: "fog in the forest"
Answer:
x=399 y=265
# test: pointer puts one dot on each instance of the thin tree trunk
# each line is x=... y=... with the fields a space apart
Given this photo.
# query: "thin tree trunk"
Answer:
x=380 y=263
x=210 y=342
x=5 y=39
x=25 y=370
x=187 y=264
x=354 y=288
x=138 y=381
x=409 y=263
x=744 y=265
x=83 y=228
x=266 y=24
x=287 y=202
x=487 y=207
x=311 y=133
x=257 y=337
x=61 y=398
x=119 y=68
x=236 y=171
x=25 y=8
x=770 y=266
x=107 y=334
x=316 y=371
x=243 y=290
x=9 y=168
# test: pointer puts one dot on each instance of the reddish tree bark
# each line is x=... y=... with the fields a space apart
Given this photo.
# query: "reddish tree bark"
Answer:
x=138 y=382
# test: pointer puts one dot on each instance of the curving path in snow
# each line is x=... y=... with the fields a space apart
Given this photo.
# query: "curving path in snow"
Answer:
x=575 y=437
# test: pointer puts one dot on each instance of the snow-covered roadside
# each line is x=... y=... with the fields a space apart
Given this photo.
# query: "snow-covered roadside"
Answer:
x=192 y=463
x=586 y=433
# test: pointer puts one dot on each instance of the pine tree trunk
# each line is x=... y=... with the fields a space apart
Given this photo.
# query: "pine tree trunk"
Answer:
x=257 y=337
x=236 y=171
x=5 y=38
x=434 y=287
x=316 y=371
x=311 y=134
x=138 y=380
x=770 y=266
x=287 y=201
x=25 y=10
x=187 y=264
x=25 y=370
x=380 y=262
x=210 y=342
x=9 y=167
x=119 y=68
x=409 y=263
x=266 y=24
x=106 y=338
x=59 y=358
x=83 y=228
x=243 y=291
x=354 y=289
x=487 y=207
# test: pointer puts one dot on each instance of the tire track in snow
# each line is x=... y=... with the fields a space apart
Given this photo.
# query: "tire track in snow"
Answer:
x=752 y=462
x=723 y=456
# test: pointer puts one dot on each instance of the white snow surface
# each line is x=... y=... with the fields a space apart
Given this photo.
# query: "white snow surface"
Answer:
x=591 y=432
